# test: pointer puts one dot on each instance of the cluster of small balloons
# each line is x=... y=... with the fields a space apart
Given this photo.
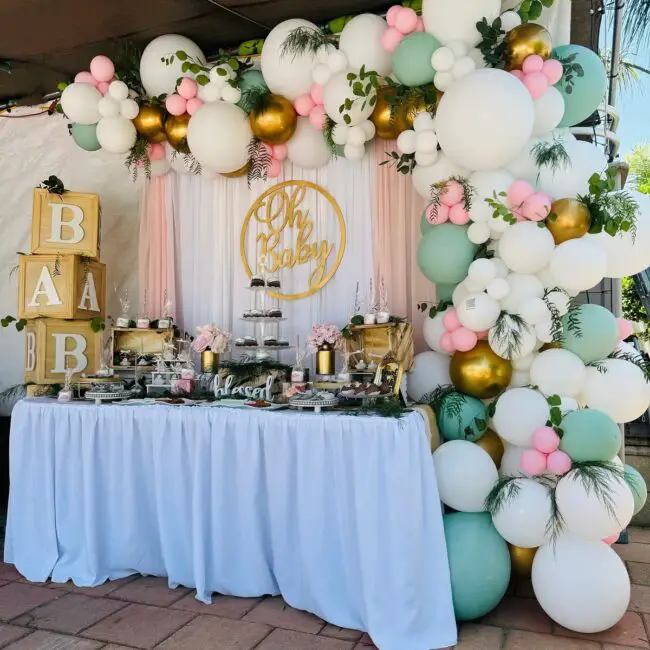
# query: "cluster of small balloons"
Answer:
x=185 y=99
x=402 y=21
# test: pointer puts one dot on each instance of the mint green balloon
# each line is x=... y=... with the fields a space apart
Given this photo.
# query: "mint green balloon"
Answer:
x=479 y=563
x=249 y=80
x=638 y=486
x=85 y=136
x=470 y=424
x=591 y=332
x=589 y=434
x=445 y=253
x=584 y=93
x=412 y=59
x=445 y=291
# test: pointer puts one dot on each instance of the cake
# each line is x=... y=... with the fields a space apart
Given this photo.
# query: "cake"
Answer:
x=275 y=313
x=273 y=283
x=257 y=281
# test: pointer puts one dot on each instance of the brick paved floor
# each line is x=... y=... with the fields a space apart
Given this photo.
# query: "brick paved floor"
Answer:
x=144 y=613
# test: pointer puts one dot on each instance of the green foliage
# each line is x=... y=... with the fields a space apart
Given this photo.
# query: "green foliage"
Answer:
x=19 y=324
x=633 y=308
x=507 y=333
x=446 y=397
x=53 y=185
x=556 y=319
x=202 y=72
x=551 y=154
x=639 y=162
x=328 y=131
x=303 y=40
x=253 y=369
x=433 y=308
x=555 y=413
x=137 y=158
x=255 y=99
x=409 y=99
x=504 y=490
x=493 y=44
x=259 y=161
x=572 y=70
x=499 y=209
x=531 y=10
x=403 y=163
x=364 y=86
x=385 y=407
x=127 y=66
x=97 y=324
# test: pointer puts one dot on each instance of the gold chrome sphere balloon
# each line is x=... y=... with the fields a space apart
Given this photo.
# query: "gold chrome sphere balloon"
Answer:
x=525 y=40
x=571 y=220
x=493 y=445
x=276 y=122
x=150 y=123
x=522 y=560
x=242 y=171
x=480 y=372
x=176 y=130
x=388 y=128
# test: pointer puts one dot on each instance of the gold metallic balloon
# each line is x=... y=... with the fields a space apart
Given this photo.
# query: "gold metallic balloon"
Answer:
x=150 y=123
x=387 y=128
x=491 y=443
x=550 y=346
x=525 y=40
x=571 y=221
x=276 y=122
x=237 y=173
x=480 y=372
x=176 y=130
x=522 y=560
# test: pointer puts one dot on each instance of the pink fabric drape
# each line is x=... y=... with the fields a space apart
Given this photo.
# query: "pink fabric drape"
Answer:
x=396 y=236
x=156 y=249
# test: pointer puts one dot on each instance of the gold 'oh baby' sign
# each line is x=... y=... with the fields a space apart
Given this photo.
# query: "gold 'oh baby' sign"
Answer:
x=287 y=236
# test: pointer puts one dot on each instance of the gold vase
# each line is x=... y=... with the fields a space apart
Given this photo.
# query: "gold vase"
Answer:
x=209 y=362
x=325 y=360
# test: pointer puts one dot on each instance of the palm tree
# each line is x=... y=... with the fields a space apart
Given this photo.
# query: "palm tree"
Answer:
x=639 y=162
x=629 y=73
x=636 y=26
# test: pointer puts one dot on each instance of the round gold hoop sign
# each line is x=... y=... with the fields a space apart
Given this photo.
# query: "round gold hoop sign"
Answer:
x=286 y=236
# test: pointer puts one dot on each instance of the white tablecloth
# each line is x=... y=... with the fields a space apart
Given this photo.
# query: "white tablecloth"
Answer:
x=339 y=514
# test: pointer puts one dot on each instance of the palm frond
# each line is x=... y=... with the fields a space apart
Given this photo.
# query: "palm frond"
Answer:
x=636 y=22
x=328 y=130
x=255 y=99
x=551 y=154
x=508 y=332
x=259 y=160
x=504 y=490
x=137 y=158
x=595 y=477
x=436 y=399
x=637 y=359
x=556 y=523
x=13 y=394
x=574 y=325
x=557 y=329
x=303 y=40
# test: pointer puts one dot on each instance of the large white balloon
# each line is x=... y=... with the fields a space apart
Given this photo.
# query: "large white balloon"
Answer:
x=524 y=165
x=425 y=176
x=287 y=75
x=478 y=312
x=337 y=92
x=526 y=248
x=158 y=78
x=619 y=389
x=80 y=103
x=511 y=461
x=549 y=111
x=218 y=136
x=116 y=134
x=522 y=288
x=586 y=514
x=485 y=119
x=361 y=42
x=509 y=348
x=455 y=20
x=522 y=521
x=485 y=185
x=578 y=264
x=433 y=330
x=465 y=475
x=430 y=370
x=581 y=584
x=558 y=372
x=519 y=412
x=307 y=148
x=572 y=179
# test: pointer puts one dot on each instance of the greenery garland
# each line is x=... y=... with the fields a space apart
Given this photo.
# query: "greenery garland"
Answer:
x=305 y=40
x=507 y=333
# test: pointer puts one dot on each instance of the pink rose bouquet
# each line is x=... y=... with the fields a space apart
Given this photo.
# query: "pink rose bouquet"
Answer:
x=321 y=334
x=210 y=337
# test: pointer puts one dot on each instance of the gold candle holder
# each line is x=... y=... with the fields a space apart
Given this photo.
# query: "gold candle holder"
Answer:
x=325 y=360
x=209 y=362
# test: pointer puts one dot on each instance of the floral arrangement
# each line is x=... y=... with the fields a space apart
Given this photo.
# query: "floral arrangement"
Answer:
x=210 y=337
x=321 y=334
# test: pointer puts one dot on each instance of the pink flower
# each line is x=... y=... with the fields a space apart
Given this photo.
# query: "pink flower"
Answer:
x=321 y=334
x=213 y=338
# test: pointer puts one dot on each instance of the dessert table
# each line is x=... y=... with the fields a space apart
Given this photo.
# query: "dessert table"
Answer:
x=339 y=514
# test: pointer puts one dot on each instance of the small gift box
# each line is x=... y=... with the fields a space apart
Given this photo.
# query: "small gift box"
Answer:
x=182 y=386
x=188 y=373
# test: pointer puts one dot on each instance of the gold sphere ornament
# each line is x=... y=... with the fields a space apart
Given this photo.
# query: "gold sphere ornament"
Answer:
x=570 y=219
x=550 y=346
x=404 y=114
x=176 y=130
x=480 y=372
x=525 y=40
x=493 y=445
x=522 y=560
x=276 y=122
x=238 y=172
x=150 y=123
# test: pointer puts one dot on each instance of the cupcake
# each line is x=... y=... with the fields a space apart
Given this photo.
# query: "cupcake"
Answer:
x=249 y=341
x=247 y=313
x=240 y=342
x=273 y=283
x=275 y=313
x=283 y=343
x=257 y=281
x=256 y=313
x=270 y=341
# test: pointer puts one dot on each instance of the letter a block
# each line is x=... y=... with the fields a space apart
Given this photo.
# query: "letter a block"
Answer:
x=52 y=345
x=65 y=223
x=61 y=286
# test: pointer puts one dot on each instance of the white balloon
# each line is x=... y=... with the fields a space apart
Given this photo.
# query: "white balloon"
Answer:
x=210 y=92
x=523 y=519
x=430 y=370
x=560 y=301
x=523 y=165
x=80 y=103
x=511 y=461
x=286 y=74
x=340 y=134
x=507 y=348
x=221 y=74
x=354 y=152
x=108 y=107
x=407 y=141
x=549 y=111
x=230 y=94
x=129 y=108
x=483 y=270
x=558 y=372
x=526 y=248
x=426 y=142
x=455 y=20
x=478 y=312
x=338 y=61
x=158 y=78
x=356 y=136
x=307 y=148
x=442 y=80
x=443 y=59
x=465 y=475
x=433 y=330
x=486 y=184
x=522 y=287
x=523 y=363
x=118 y=90
x=498 y=288
x=578 y=264
x=534 y=311
x=621 y=390
x=116 y=134
x=218 y=136
x=478 y=233
x=585 y=514
x=460 y=293
x=337 y=92
x=424 y=122
x=510 y=20
x=369 y=129
x=463 y=66
x=520 y=379
x=519 y=412
x=572 y=179
x=321 y=74
x=361 y=42
x=424 y=177
x=485 y=118
x=426 y=159
x=581 y=584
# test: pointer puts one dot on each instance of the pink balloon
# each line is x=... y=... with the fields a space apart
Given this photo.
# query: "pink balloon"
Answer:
x=625 y=328
x=390 y=39
x=187 y=88
x=420 y=26
x=447 y=343
x=85 y=78
x=533 y=63
x=406 y=20
x=280 y=151
x=304 y=105
x=612 y=539
x=546 y=440
x=559 y=462
x=269 y=148
x=102 y=68
x=451 y=194
x=175 y=104
x=458 y=215
x=536 y=207
x=102 y=86
x=519 y=74
x=553 y=71
x=537 y=84
x=155 y=151
x=450 y=320
x=533 y=462
x=437 y=213
x=464 y=340
x=275 y=169
x=518 y=192
x=391 y=16
x=317 y=117
x=317 y=93
x=193 y=105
